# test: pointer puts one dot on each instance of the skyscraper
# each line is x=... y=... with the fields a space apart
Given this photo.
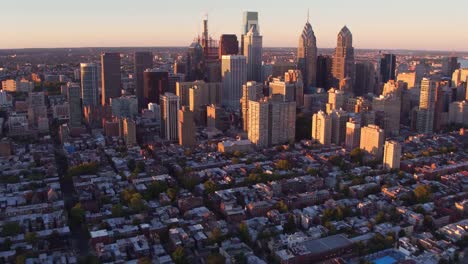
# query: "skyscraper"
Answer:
x=89 y=84
x=343 y=61
x=427 y=101
x=129 y=131
x=155 y=83
x=110 y=76
x=74 y=104
x=228 y=45
x=249 y=20
x=387 y=67
x=339 y=119
x=253 y=52
x=142 y=61
x=449 y=65
x=392 y=154
x=365 y=78
x=372 y=140
x=251 y=91
x=307 y=55
x=169 y=104
x=234 y=75
x=321 y=128
x=186 y=128
x=324 y=71
x=336 y=100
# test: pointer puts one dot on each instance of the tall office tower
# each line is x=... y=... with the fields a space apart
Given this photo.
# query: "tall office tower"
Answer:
x=250 y=19
x=339 y=119
x=392 y=87
x=251 y=91
x=290 y=87
x=459 y=76
x=172 y=80
x=365 y=78
x=449 y=65
x=343 y=61
x=387 y=110
x=422 y=70
x=89 y=84
x=458 y=113
x=253 y=52
x=407 y=77
x=74 y=104
x=217 y=117
x=307 y=55
x=336 y=100
x=272 y=121
x=142 y=61
x=353 y=134
x=186 y=128
x=372 y=140
x=129 y=131
x=387 y=67
x=427 y=101
x=110 y=76
x=124 y=106
x=155 y=83
x=234 y=75
x=324 y=71
x=321 y=128
x=194 y=62
x=169 y=103
x=392 y=154
x=228 y=45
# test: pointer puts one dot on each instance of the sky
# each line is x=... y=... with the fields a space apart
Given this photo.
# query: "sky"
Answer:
x=375 y=24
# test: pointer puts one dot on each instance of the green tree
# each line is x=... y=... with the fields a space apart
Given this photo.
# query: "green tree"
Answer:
x=244 y=232
x=178 y=256
x=77 y=214
x=117 y=210
x=380 y=217
x=140 y=167
x=20 y=259
x=357 y=156
x=144 y=260
x=11 y=229
x=215 y=235
x=136 y=202
x=210 y=186
x=215 y=258
x=281 y=206
x=290 y=226
x=30 y=237
x=131 y=164
x=283 y=165
x=422 y=193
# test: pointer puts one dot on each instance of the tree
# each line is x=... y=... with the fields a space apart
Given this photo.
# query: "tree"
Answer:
x=144 y=260
x=178 y=256
x=20 y=259
x=380 y=217
x=422 y=193
x=131 y=164
x=215 y=258
x=77 y=214
x=11 y=229
x=210 y=186
x=283 y=165
x=281 y=206
x=117 y=210
x=290 y=225
x=357 y=156
x=140 y=167
x=136 y=202
x=244 y=232
x=172 y=193
x=215 y=235
x=30 y=237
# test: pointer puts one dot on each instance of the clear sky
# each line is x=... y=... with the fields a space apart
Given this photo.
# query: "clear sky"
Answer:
x=379 y=24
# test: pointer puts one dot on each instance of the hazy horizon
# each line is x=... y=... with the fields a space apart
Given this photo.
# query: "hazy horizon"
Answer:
x=398 y=25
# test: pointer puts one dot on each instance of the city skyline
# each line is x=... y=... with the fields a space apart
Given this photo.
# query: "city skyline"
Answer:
x=130 y=24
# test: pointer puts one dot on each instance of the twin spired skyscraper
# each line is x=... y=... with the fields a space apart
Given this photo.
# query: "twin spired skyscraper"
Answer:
x=307 y=55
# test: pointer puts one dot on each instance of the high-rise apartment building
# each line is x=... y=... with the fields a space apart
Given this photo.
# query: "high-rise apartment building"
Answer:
x=343 y=60
x=427 y=102
x=89 y=84
x=387 y=67
x=186 y=127
x=129 y=131
x=307 y=55
x=253 y=52
x=169 y=104
x=372 y=140
x=228 y=45
x=251 y=91
x=142 y=61
x=339 y=119
x=74 y=104
x=392 y=154
x=336 y=100
x=234 y=75
x=124 y=106
x=321 y=128
x=407 y=77
x=353 y=134
x=272 y=121
x=387 y=110
x=110 y=76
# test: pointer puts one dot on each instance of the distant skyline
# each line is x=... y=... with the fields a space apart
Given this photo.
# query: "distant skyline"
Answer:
x=375 y=24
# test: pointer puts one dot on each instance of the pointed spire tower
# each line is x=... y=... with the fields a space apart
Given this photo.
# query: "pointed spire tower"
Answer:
x=343 y=60
x=307 y=55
